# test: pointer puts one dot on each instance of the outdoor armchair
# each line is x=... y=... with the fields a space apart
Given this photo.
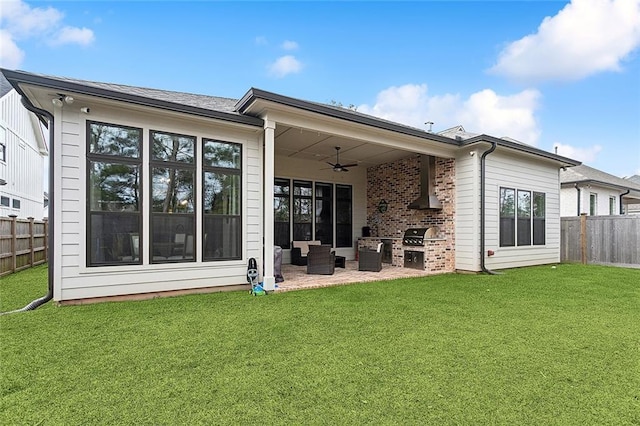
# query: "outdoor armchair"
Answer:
x=321 y=260
x=370 y=259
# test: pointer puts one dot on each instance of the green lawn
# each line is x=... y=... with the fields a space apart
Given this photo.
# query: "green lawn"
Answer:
x=531 y=346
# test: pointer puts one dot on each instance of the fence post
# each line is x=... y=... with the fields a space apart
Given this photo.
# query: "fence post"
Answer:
x=13 y=241
x=583 y=237
x=31 y=243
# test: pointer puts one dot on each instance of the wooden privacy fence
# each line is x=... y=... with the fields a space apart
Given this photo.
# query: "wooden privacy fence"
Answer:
x=600 y=239
x=23 y=243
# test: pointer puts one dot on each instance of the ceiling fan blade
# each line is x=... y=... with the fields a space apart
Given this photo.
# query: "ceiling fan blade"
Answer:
x=333 y=165
x=349 y=165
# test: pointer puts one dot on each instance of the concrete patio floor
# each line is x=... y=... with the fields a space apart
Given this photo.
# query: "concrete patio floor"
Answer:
x=296 y=278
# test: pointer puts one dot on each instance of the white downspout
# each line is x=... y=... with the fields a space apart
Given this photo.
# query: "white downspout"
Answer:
x=269 y=280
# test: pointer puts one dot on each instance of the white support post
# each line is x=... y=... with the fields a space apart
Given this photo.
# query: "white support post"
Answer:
x=269 y=280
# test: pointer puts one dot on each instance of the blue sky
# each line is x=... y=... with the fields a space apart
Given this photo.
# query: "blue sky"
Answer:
x=548 y=73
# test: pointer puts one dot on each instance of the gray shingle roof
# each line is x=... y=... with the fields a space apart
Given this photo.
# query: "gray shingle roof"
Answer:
x=584 y=173
x=214 y=103
x=5 y=86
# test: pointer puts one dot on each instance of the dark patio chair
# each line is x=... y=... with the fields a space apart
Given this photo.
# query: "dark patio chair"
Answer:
x=370 y=259
x=321 y=260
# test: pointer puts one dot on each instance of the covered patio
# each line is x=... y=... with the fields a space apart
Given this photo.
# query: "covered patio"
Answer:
x=296 y=277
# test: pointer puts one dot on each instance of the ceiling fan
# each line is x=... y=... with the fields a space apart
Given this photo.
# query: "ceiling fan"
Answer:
x=337 y=167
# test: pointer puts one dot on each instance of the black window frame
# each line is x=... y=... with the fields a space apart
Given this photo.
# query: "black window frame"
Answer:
x=298 y=200
x=342 y=223
x=282 y=228
x=175 y=247
x=232 y=220
x=119 y=239
x=522 y=227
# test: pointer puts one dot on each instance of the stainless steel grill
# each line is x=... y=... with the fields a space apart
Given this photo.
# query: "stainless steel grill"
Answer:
x=414 y=237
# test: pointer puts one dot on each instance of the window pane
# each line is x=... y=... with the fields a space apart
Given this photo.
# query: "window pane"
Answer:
x=507 y=217
x=303 y=189
x=344 y=228
x=114 y=140
x=593 y=204
x=539 y=214
x=4 y=201
x=172 y=190
x=324 y=213
x=114 y=187
x=221 y=154
x=172 y=238
x=222 y=237
x=281 y=213
x=221 y=193
x=114 y=239
x=524 y=218
x=170 y=147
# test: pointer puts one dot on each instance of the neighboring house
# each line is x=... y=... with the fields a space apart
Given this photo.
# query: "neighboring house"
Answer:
x=633 y=207
x=22 y=148
x=159 y=191
x=594 y=192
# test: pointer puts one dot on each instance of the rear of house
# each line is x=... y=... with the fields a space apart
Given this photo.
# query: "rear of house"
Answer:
x=158 y=192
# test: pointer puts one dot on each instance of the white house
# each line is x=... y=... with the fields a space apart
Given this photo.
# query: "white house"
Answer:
x=596 y=193
x=156 y=191
x=22 y=152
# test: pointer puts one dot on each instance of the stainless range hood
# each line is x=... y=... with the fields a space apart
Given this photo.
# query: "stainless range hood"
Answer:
x=427 y=199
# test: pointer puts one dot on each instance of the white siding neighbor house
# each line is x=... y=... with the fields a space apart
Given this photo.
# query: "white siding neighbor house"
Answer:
x=22 y=152
x=157 y=192
x=596 y=193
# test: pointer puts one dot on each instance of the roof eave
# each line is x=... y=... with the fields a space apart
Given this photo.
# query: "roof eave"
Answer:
x=254 y=95
x=519 y=147
x=16 y=78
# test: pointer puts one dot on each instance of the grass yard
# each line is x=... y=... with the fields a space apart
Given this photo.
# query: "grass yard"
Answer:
x=531 y=346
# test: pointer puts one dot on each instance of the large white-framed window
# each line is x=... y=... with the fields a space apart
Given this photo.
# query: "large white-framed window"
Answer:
x=522 y=217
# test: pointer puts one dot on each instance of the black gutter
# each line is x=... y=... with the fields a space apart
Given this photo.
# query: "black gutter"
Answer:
x=337 y=112
x=17 y=77
x=41 y=114
x=579 y=195
x=622 y=195
x=494 y=145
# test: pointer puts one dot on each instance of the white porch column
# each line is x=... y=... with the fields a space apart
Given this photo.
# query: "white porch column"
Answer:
x=269 y=280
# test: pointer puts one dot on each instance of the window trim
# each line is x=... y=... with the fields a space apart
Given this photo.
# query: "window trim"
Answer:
x=104 y=158
x=531 y=219
x=237 y=171
x=157 y=163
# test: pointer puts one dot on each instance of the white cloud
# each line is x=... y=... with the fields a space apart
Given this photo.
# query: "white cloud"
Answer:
x=261 y=41
x=289 y=45
x=71 y=35
x=20 y=21
x=285 y=65
x=483 y=112
x=10 y=55
x=584 y=155
x=584 y=38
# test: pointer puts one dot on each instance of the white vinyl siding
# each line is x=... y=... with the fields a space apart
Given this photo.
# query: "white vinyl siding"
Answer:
x=22 y=137
x=74 y=280
x=504 y=169
x=468 y=210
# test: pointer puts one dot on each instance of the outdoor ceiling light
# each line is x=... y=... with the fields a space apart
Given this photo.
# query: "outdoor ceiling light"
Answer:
x=57 y=102
x=68 y=99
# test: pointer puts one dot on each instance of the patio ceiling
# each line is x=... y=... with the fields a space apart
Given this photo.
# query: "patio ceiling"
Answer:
x=313 y=145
